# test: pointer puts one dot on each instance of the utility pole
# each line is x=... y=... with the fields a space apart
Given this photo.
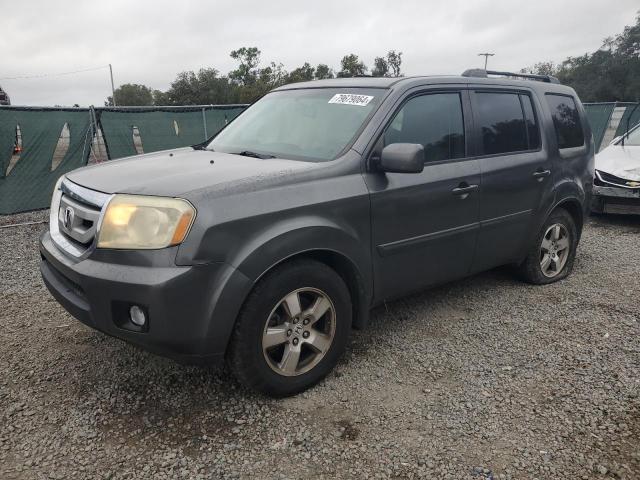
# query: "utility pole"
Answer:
x=486 y=57
x=113 y=90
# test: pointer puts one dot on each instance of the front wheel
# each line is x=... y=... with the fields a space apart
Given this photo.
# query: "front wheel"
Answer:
x=552 y=255
x=292 y=329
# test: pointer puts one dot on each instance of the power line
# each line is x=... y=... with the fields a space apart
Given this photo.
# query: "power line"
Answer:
x=44 y=75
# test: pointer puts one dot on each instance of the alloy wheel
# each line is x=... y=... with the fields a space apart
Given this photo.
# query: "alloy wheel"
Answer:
x=299 y=331
x=554 y=250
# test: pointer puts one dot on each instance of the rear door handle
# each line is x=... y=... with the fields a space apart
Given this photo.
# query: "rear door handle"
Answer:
x=464 y=189
x=540 y=174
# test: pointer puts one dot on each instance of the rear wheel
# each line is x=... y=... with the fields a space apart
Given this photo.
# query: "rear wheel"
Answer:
x=552 y=255
x=292 y=329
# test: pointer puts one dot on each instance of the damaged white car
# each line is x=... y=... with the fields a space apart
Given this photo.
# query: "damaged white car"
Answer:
x=616 y=186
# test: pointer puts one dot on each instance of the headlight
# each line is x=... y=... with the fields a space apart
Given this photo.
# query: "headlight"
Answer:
x=139 y=222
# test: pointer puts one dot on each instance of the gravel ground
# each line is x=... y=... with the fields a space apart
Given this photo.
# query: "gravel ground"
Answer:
x=485 y=378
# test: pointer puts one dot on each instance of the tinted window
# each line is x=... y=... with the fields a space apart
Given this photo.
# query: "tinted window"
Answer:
x=532 y=125
x=566 y=120
x=501 y=123
x=434 y=121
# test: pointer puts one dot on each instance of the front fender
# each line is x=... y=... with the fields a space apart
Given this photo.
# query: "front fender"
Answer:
x=275 y=245
x=292 y=237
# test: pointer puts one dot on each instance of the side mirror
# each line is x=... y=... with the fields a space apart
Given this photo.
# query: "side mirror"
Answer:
x=402 y=158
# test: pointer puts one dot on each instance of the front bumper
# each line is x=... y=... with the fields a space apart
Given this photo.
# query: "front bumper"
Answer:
x=615 y=200
x=191 y=309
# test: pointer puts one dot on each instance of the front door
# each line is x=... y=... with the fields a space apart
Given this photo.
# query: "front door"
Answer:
x=425 y=225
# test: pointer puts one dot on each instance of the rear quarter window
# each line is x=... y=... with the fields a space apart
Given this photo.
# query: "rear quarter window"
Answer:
x=566 y=120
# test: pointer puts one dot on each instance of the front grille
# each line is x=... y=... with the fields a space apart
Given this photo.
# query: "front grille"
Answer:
x=604 y=179
x=77 y=220
x=75 y=217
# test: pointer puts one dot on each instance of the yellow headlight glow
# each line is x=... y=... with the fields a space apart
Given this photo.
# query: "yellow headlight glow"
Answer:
x=120 y=214
x=142 y=222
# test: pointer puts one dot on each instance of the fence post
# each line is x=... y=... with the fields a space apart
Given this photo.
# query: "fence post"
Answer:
x=97 y=133
x=204 y=123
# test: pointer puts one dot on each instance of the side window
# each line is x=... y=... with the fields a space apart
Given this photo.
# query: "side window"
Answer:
x=532 y=125
x=435 y=121
x=566 y=121
x=501 y=122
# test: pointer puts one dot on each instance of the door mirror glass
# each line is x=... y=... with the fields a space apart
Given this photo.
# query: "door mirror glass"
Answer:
x=402 y=158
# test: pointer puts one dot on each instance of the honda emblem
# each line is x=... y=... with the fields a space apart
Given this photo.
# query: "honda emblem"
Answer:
x=67 y=219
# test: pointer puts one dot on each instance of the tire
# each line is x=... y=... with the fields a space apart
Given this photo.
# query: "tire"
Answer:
x=531 y=269
x=266 y=314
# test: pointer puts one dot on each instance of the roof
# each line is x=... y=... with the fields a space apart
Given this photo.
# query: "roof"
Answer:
x=408 y=82
x=360 y=82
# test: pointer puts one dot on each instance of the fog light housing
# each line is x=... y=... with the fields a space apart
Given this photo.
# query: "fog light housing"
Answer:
x=137 y=316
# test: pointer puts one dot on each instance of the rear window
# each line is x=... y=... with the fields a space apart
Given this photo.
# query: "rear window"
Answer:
x=566 y=121
x=501 y=121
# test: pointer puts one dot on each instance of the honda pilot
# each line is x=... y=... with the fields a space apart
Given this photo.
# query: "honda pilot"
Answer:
x=266 y=245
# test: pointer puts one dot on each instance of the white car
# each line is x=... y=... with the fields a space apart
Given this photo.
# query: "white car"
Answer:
x=616 y=186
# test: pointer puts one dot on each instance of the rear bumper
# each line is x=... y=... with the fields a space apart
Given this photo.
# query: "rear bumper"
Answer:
x=615 y=200
x=191 y=309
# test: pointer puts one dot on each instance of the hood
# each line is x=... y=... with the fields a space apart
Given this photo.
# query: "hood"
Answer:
x=177 y=172
x=623 y=162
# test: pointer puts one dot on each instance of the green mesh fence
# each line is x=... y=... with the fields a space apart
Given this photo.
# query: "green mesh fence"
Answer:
x=27 y=178
x=162 y=128
x=599 y=115
x=217 y=118
x=635 y=119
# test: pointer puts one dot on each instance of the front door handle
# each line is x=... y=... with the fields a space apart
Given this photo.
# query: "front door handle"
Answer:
x=464 y=189
x=540 y=174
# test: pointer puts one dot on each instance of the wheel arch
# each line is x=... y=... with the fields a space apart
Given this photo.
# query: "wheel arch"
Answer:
x=338 y=246
x=340 y=249
x=348 y=271
x=573 y=205
x=575 y=209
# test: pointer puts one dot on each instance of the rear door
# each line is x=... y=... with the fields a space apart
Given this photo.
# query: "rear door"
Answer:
x=516 y=172
x=425 y=225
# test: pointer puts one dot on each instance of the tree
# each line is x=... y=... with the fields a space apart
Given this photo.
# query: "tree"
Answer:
x=323 y=72
x=301 y=74
x=204 y=88
x=160 y=98
x=388 y=66
x=381 y=67
x=249 y=81
x=394 y=60
x=352 y=66
x=542 y=68
x=246 y=73
x=611 y=73
x=131 y=94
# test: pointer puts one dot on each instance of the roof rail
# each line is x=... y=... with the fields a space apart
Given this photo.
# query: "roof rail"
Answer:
x=479 y=72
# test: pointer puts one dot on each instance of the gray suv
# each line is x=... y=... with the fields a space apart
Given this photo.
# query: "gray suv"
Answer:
x=267 y=244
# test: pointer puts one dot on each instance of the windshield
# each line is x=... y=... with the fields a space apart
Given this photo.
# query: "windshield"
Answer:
x=308 y=124
x=633 y=139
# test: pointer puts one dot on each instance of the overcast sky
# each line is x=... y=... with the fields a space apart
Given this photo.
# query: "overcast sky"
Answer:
x=149 y=41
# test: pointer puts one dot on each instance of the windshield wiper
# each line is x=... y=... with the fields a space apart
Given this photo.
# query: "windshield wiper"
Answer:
x=249 y=153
